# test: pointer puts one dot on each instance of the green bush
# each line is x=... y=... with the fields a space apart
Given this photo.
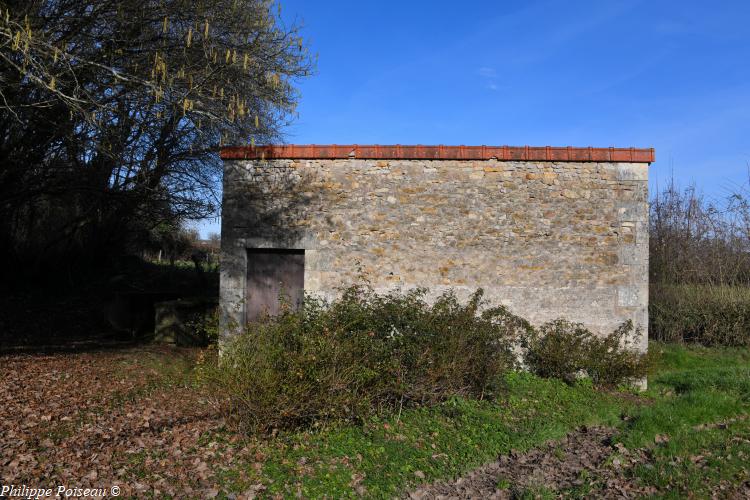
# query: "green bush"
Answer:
x=365 y=354
x=565 y=350
x=710 y=315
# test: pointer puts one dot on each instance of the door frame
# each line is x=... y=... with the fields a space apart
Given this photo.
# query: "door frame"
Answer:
x=233 y=272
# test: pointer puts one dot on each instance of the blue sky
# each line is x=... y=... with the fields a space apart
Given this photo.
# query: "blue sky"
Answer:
x=674 y=75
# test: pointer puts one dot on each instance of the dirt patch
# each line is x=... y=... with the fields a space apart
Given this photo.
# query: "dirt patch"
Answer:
x=584 y=463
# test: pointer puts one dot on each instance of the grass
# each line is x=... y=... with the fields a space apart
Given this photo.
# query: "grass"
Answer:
x=691 y=387
x=691 y=422
x=382 y=457
x=700 y=463
x=433 y=443
x=701 y=403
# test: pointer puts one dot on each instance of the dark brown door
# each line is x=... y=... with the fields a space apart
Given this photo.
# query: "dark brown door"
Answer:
x=274 y=277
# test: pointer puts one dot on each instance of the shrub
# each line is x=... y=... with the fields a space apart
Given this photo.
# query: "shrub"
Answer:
x=710 y=315
x=365 y=354
x=557 y=349
x=565 y=350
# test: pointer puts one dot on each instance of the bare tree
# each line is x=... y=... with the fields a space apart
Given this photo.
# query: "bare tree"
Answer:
x=695 y=240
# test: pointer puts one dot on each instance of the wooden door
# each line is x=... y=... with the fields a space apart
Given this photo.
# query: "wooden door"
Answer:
x=274 y=276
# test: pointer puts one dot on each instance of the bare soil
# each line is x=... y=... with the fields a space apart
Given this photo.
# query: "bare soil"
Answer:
x=585 y=462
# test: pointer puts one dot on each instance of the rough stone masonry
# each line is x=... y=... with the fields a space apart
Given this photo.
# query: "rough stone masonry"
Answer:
x=549 y=232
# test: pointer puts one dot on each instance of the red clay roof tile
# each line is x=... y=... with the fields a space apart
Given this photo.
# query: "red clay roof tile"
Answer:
x=399 y=152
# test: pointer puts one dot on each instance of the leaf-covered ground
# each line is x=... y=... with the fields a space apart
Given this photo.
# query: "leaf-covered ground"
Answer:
x=109 y=418
x=140 y=419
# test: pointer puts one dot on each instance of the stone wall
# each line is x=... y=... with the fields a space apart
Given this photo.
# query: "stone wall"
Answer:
x=548 y=239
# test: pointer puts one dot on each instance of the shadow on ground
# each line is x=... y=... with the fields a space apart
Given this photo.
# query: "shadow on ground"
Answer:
x=110 y=308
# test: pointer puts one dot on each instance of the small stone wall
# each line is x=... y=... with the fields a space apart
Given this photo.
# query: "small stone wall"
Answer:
x=548 y=239
x=184 y=322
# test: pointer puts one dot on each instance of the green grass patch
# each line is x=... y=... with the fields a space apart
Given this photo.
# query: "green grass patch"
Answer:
x=676 y=417
x=671 y=357
x=698 y=464
x=383 y=457
x=699 y=418
x=692 y=386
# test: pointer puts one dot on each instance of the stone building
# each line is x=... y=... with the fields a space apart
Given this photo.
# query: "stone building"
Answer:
x=549 y=232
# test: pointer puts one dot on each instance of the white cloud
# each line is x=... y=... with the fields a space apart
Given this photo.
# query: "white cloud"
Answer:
x=487 y=72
